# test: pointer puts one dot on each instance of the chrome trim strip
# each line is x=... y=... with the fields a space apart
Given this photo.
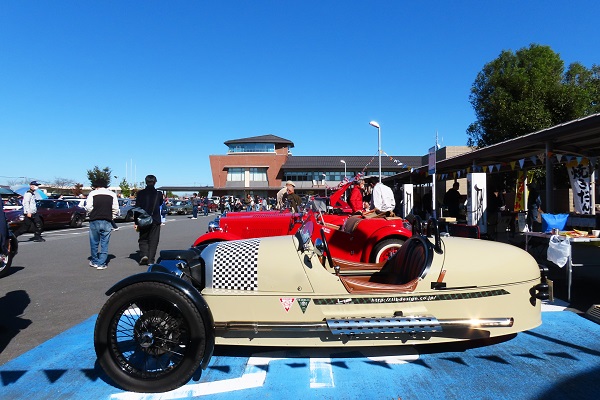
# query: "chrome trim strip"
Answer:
x=208 y=255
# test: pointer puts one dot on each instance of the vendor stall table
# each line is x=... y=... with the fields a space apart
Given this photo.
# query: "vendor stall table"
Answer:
x=570 y=264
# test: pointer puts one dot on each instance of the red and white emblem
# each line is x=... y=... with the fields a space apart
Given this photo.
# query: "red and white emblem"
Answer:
x=287 y=302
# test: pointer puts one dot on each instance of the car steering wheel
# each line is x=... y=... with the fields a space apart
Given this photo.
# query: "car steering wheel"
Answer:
x=326 y=248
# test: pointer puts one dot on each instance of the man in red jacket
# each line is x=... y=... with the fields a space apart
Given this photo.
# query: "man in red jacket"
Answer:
x=356 y=197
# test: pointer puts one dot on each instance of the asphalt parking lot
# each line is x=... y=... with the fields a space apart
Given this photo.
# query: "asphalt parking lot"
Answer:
x=51 y=288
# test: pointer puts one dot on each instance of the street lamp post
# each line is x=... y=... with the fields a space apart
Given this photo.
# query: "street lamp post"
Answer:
x=376 y=125
x=344 y=162
x=325 y=183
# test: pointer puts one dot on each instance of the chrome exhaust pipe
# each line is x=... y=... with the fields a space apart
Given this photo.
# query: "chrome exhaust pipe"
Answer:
x=417 y=324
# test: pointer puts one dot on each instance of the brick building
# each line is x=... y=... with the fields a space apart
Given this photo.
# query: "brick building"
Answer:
x=261 y=165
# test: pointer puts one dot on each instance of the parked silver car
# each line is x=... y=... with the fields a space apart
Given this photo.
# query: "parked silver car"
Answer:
x=181 y=207
x=125 y=213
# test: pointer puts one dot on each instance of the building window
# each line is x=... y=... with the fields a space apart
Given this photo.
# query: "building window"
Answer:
x=235 y=175
x=252 y=148
x=258 y=174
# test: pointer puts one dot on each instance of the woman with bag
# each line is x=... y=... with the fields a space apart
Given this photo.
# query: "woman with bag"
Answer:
x=149 y=199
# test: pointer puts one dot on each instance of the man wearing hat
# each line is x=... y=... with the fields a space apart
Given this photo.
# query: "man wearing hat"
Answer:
x=31 y=217
x=292 y=198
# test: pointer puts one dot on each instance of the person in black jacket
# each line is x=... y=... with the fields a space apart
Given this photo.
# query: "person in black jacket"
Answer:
x=150 y=200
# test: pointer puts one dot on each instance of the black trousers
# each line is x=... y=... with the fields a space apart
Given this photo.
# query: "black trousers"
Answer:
x=34 y=223
x=148 y=242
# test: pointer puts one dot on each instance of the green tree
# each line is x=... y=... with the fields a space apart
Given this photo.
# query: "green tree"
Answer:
x=125 y=188
x=523 y=92
x=77 y=189
x=96 y=174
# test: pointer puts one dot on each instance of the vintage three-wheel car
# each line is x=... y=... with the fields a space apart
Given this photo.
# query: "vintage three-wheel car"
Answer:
x=159 y=327
x=351 y=237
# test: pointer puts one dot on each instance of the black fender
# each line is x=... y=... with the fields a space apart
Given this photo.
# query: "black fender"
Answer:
x=189 y=291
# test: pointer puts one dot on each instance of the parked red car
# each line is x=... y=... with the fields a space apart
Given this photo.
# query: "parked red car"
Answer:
x=350 y=237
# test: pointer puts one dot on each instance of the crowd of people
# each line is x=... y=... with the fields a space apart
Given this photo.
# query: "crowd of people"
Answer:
x=372 y=198
x=368 y=197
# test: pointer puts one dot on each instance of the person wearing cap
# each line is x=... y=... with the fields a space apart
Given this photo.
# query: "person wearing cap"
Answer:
x=30 y=214
x=292 y=199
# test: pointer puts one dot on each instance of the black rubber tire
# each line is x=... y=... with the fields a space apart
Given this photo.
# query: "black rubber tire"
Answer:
x=5 y=267
x=129 y=216
x=13 y=245
x=137 y=332
x=384 y=247
x=76 y=221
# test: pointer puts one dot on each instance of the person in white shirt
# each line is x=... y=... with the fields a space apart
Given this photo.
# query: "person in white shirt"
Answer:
x=382 y=199
x=30 y=214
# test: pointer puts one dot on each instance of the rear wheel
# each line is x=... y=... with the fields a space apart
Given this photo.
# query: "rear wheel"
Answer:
x=129 y=216
x=149 y=337
x=76 y=221
x=385 y=250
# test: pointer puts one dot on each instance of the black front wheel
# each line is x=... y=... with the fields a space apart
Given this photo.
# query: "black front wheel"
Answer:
x=149 y=337
x=6 y=259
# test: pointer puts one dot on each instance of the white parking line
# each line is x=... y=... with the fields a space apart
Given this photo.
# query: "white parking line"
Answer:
x=321 y=373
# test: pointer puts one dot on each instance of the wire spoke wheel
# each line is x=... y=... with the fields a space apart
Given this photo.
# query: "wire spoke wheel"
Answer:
x=149 y=337
x=385 y=250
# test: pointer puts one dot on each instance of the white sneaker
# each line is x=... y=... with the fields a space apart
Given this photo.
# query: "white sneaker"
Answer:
x=93 y=265
x=116 y=229
x=100 y=266
x=194 y=218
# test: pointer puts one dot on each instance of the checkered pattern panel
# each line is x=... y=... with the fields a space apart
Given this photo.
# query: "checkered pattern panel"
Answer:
x=236 y=265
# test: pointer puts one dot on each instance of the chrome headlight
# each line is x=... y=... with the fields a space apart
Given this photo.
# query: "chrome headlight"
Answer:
x=213 y=226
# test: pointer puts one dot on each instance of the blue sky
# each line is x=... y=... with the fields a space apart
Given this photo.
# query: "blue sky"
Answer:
x=160 y=85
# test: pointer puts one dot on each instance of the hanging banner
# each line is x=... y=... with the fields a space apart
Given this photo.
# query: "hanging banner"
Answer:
x=579 y=176
x=520 y=192
x=432 y=160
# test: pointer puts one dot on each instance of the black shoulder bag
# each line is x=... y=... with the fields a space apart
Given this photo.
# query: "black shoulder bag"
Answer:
x=143 y=219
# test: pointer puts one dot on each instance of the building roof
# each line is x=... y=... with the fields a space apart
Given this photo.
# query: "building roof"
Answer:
x=352 y=162
x=262 y=139
x=577 y=138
